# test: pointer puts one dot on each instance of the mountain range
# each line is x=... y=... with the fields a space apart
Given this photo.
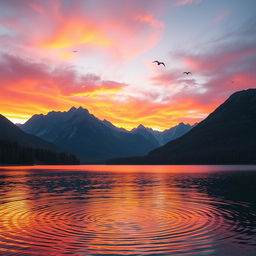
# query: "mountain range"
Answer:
x=18 y=147
x=162 y=137
x=226 y=136
x=91 y=139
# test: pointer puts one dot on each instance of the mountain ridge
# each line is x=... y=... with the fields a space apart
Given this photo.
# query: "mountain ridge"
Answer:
x=83 y=134
x=226 y=136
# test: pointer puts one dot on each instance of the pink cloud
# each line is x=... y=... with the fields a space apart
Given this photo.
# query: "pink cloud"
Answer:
x=185 y=2
x=48 y=25
x=221 y=16
x=215 y=76
x=209 y=63
x=167 y=78
x=28 y=77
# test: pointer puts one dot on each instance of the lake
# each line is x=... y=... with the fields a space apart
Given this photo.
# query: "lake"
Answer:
x=128 y=210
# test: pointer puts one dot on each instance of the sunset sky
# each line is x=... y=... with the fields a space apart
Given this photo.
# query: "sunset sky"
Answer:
x=112 y=74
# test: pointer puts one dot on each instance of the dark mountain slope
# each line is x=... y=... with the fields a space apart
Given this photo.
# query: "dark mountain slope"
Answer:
x=226 y=136
x=175 y=132
x=148 y=133
x=10 y=132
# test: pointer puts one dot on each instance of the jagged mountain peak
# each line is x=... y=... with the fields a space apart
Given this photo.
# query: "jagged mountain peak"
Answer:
x=142 y=127
x=89 y=137
x=78 y=110
x=72 y=109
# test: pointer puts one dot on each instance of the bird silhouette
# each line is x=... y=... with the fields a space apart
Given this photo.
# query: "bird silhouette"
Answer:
x=187 y=73
x=75 y=51
x=158 y=62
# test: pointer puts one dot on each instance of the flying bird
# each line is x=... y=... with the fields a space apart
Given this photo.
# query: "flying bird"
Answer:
x=187 y=73
x=75 y=51
x=158 y=62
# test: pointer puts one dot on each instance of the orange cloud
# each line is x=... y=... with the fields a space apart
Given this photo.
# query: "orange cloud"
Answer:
x=118 y=30
x=29 y=88
x=157 y=115
x=75 y=32
x=54 y=25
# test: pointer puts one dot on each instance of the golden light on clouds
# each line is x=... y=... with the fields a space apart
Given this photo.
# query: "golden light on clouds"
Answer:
x=99 y=54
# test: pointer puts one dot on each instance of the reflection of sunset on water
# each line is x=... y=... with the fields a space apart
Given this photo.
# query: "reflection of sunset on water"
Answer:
x=53 y=211
x=134 y=168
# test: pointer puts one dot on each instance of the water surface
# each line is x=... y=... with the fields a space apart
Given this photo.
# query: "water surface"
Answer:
x=128 y=210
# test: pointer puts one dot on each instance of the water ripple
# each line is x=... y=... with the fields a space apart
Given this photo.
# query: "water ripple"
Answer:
x=121 y=218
